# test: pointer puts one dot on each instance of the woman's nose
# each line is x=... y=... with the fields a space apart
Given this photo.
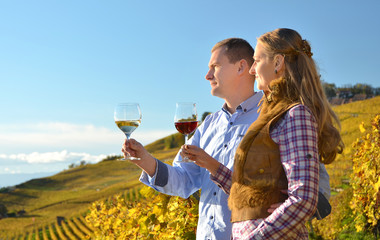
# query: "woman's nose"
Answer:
x=252 y=70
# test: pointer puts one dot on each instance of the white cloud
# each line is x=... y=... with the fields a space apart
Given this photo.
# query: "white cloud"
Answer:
x=56 y=136
x=55 y=133
x=53 y=146
x=53 y=157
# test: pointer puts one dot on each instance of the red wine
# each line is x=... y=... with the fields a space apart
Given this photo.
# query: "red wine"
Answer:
x=186 y=127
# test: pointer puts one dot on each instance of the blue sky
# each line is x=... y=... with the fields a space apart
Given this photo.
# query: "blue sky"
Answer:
x=64 y=65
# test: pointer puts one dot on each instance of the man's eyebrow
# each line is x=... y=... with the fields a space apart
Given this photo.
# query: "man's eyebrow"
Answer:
x=213 y=64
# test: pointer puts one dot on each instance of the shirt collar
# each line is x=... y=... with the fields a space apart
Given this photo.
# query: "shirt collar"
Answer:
x=247 y=105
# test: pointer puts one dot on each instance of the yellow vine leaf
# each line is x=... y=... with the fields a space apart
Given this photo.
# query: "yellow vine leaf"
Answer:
x=362 y=128
x=377 y=186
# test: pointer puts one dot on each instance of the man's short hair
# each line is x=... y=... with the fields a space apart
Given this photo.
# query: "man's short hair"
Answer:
x=236 y=49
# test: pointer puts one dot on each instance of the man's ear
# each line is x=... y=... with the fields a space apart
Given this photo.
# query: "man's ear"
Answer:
x=279 y=61
x=242 y=66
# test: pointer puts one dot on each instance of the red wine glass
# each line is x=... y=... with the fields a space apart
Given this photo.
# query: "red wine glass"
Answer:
x=185 y=120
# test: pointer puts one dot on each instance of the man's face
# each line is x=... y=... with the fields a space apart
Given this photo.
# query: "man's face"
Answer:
x=221 y=74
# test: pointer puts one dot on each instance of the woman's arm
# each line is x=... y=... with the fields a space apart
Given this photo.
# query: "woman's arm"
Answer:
x=297 y=138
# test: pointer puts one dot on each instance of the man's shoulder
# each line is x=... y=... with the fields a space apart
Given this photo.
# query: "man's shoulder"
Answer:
x=211 y=120
x=214 y=116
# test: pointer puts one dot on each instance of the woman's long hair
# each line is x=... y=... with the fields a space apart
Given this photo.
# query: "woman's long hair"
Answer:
x=303 y=83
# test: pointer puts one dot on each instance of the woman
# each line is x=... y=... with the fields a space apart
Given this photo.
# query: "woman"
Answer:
x=283 y=147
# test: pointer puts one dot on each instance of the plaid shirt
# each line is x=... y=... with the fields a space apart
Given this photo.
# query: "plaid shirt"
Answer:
x=296 y=136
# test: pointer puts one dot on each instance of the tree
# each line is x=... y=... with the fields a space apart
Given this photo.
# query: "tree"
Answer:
x=330 y=89
x=361 y=88
x=174 y=140
x=204 y=115
x=376 y=91
x=3 y=210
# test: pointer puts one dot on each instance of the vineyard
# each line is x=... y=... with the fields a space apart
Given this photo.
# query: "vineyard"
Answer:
x=119 y=207
x=70 y=229
x=75 y=228
x=139 y=213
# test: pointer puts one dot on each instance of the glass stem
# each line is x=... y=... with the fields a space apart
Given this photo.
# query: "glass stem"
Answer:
x=127 y=136
x=186 y=135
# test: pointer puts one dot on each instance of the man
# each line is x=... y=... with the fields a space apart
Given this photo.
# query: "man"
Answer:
x=219 y=136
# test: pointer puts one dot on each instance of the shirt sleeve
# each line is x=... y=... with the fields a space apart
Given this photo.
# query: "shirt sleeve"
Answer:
x=298 y=142
x=223 y=178
x=181 y=179
x=160 y=177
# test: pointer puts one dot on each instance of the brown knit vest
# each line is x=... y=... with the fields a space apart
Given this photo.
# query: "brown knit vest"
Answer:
x=258 y=174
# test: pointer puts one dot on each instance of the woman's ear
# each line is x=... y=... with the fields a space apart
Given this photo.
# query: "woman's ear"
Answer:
x=279 y=61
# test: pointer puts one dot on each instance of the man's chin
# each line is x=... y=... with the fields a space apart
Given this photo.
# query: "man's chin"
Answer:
x=215 y=93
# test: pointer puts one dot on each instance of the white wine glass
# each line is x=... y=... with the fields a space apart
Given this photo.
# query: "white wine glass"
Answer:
x=185 y=120
x=127 y=117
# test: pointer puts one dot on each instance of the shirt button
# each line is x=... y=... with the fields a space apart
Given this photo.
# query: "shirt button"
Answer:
x=211 y=217
x=245 y=110
x=214 y=193
x=225 y=145
x=231 y=123
x=261 y=170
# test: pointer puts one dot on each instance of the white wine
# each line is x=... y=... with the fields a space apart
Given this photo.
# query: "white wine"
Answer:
x=128 y=126
x=127 y=117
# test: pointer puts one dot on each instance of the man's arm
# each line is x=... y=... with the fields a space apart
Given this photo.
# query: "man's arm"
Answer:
x=181 y=179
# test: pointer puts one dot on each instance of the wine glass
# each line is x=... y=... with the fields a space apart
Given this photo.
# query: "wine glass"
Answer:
x=185 y=120
x=127 y=117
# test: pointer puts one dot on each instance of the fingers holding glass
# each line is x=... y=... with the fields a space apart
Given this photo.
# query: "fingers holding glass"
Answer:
x=128 y=117
x=185 y=121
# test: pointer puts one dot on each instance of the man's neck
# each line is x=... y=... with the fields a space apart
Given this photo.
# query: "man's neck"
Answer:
x=232 y=104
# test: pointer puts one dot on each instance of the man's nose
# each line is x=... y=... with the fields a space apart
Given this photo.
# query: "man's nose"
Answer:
x=209 y=76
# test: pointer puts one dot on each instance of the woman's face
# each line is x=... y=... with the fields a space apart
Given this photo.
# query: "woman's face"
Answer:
x=263 y=68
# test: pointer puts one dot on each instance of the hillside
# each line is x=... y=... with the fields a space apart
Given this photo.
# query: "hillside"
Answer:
x=351 y=115
x=66 y=193
x=70 y=192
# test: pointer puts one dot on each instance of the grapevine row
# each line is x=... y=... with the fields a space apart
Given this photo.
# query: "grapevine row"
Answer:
x=75 y=228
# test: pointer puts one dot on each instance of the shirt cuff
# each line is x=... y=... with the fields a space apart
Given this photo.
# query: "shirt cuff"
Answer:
x=218 y=174
x=162 y=174
x=223 y=178
x=160 y=177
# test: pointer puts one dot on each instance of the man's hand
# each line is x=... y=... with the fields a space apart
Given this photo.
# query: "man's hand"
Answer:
x=200 y=157
x=133 y=148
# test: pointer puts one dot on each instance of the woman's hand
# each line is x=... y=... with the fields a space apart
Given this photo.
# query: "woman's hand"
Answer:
x=200 y=157
x=276 y=205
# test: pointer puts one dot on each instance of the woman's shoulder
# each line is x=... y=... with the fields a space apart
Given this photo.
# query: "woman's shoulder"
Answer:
x=298 y=116
x=298 y=111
